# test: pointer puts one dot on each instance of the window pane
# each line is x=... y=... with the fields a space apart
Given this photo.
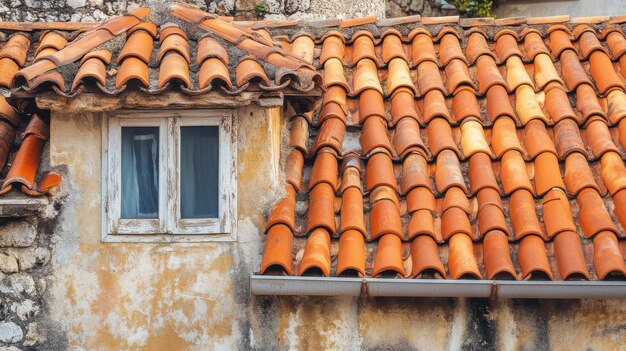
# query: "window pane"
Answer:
x=140 y=175
x=199 y=163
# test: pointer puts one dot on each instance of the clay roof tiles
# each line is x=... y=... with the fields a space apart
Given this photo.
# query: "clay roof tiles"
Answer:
x=485 y=152
x=475 y=149
x=155 y=57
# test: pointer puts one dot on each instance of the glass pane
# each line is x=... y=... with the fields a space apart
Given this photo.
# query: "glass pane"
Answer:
x=140 y=172
x=199 y=163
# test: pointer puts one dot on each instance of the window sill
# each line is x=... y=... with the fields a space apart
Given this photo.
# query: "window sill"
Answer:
x=168 y=238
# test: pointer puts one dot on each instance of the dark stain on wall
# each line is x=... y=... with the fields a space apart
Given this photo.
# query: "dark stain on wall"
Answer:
x=480 y=329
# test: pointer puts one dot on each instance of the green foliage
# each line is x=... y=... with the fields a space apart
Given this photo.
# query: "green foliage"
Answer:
x=260 y=9
x=475 y=8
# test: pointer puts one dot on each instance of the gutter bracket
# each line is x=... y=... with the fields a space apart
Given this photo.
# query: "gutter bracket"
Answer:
x=494 y=291
x=364 y=288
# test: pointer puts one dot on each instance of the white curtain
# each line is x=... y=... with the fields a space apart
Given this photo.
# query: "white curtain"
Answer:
x=140 y=175
x=199 y=175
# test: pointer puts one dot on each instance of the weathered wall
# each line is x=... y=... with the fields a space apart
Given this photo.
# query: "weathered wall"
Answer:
x=154 y=296
x=428 y=8
x=103 y=296
x=24 y=280
x=99 y=10
x=573 y=8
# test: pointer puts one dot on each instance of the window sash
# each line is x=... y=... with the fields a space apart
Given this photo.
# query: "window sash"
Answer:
x=204 y=225
x=169 y=220
x=118 y=225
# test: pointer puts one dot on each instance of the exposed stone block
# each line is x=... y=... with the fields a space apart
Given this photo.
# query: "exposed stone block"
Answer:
x=10 y=332
x=17 y=234
x=18 y=285
x=35 y=335
x=8 y=263
x=25 y=309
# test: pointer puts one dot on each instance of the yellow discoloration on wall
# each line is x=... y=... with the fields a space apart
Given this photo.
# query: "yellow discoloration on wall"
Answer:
x=151 y=296
x=587 y=325
x=195 y=296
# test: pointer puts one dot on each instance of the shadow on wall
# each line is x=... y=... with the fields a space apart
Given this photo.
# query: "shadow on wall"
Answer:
x=573 y=8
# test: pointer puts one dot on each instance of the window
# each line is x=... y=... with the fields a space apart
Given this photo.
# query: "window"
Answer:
x=168 y=176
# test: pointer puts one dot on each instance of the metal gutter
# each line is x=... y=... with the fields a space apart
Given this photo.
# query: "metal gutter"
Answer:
x=313 y=286
x=373 y=287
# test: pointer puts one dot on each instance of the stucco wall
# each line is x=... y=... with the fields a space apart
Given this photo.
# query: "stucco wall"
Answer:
x=155 y=296
x=196 y=296
x=573 y=8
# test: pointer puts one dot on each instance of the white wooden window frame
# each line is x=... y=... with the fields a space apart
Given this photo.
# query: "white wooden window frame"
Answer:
x=169 y=226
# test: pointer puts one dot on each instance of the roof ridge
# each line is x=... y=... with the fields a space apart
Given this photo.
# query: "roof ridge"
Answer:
x=79 y=48
x=250 y=41
x=289 y=66
x=32 y=26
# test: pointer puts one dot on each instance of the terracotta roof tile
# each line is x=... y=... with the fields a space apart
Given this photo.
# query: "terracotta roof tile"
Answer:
x=572 y=71
x=578 y=174
x=8 y=68
x=23 y=169
x=132 y=68
x=415 y=173
x=278 y=249
x=422 y=49
x=284 y=211
x=569 y=256
x=316 y=254
x=477 y=46
x=532 y=258
x=607 y=259
x=333 y=47
x=16 y=48
x=429 y=77
x=174 y=66
x=592 y=214
x=487 y=74
x=481 y=173
x=388 y=256
x=490 y=212
x=547 y=173
x=497 y=257
x=93 y=67
x=52 y=40
x=213 y=72
x=450 y=49
x=351 y=255
x=462 y=262
x=513 y=173
x=425 y=257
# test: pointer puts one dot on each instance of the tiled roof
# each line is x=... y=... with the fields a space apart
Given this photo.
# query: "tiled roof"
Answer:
x=23 y=130
x=478 y=149
x=190 y=51
x=128 y=52
x=472 y=148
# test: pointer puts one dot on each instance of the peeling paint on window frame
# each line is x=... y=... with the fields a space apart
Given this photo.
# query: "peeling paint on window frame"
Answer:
x=169 y=229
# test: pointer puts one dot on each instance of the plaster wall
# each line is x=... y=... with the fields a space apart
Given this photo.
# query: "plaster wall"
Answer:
x=573 y=8
x=105 y=296
x=155 y=296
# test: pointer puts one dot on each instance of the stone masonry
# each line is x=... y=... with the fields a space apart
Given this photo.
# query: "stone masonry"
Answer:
x=99 y=10
x=25 y=274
